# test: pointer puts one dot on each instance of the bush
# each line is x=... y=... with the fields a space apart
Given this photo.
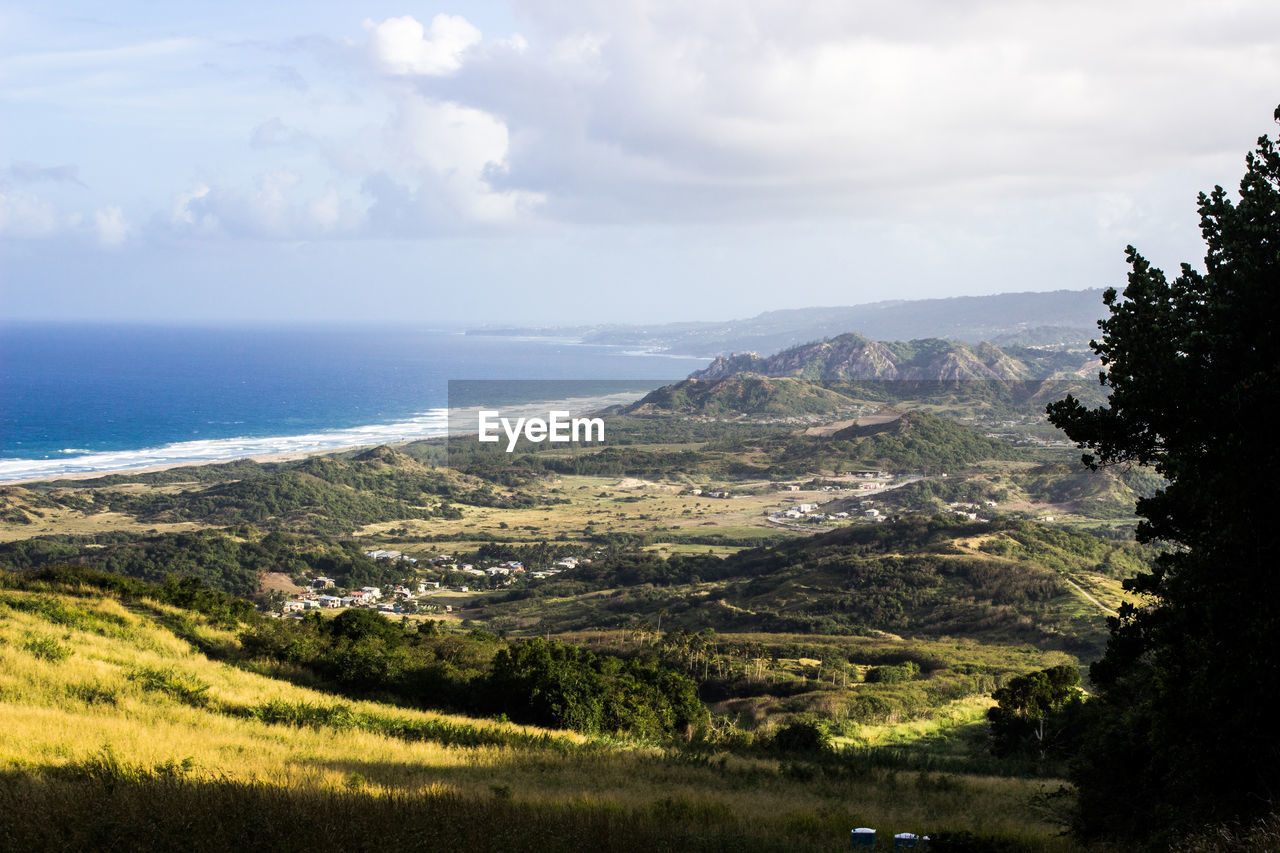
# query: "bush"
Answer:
x=893 y=674
x=802 y=736
x=184 y=687
x=47 y=648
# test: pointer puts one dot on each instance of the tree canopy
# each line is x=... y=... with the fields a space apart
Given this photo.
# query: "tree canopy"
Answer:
x=1028 y=714
x=1189 y=686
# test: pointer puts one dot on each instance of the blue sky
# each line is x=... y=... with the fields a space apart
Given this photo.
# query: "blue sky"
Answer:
x=621 y=161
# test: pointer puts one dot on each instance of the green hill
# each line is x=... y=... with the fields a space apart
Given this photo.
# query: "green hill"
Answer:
x=916 y=441
x=851 y=357
x=743 y=394
x=330 y=495
x=916 y=577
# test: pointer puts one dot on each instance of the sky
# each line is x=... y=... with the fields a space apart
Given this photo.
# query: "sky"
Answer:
x=626 y=161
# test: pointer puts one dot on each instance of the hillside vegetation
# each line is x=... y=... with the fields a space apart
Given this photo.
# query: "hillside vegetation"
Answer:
x=743 y=394
x=121 y=733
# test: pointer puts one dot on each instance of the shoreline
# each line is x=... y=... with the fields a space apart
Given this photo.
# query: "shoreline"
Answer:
x=448 y=422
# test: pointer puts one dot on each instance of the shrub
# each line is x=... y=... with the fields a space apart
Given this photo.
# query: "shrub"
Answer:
x=802 y=736
x=47 y=648
x=184 y=687
x=893 y=674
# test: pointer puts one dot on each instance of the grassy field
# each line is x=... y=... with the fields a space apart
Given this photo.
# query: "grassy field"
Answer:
x=610 y=505
x=118 y=734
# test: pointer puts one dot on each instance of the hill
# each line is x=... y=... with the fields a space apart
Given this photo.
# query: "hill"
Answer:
x=890 y=440
x=851 y=357
x=742 y=394
x=328 y=495
x=994 y=582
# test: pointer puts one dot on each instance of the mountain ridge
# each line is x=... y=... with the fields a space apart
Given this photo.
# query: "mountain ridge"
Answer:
x=852 y=357
x=1060 y=318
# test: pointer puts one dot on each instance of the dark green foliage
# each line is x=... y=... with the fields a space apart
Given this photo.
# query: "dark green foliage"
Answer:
x=1188 y=689
x=802 y=736
x=1104 y=493
x=172 y=682
x=907 y=576
x=554 y=684
x=187 y=592
x=532 y=681
x=893 y=674
x=218 y=558
x=295 y=498
x=343 y=717
x=918 y=441
x=327 y=495
x=47 y=648
x=1037 y=714
x=240 y=469
x=902 y=576
x=1066 y=549
x=54 y=611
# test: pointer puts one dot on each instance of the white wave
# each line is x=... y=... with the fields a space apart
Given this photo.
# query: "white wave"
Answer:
x=424 y=425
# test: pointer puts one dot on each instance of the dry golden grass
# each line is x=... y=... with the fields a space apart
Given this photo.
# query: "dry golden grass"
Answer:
x=63 y=713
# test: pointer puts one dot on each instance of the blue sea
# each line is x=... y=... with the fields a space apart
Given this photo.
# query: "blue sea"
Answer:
x=84 y=398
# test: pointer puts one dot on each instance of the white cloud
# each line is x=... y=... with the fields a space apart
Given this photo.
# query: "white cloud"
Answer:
x=450 y=153
x=25 y=215
x=279 y=205
x=654 y=109
x=662 y=111
x=402 y=46
x=325 y=211
x=182 y=214
x=110 y=225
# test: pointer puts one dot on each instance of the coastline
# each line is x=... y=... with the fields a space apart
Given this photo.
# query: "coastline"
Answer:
x=455 y=421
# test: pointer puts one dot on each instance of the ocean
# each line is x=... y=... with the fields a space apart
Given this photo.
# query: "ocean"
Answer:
x=84 y=398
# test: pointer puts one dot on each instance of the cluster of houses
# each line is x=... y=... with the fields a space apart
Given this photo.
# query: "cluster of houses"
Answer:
x=809 y=513
x=401 y=598
x=707 y=494
x=391 y=555
x=1024 y=440
x=968 y=510
x=397 y=600
x=514 y=568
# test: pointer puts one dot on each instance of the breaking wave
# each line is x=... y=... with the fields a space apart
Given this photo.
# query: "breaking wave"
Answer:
x=423 y=425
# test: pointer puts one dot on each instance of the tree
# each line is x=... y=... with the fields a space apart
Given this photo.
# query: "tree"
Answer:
x=1029 y=712
x=1189 y=686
